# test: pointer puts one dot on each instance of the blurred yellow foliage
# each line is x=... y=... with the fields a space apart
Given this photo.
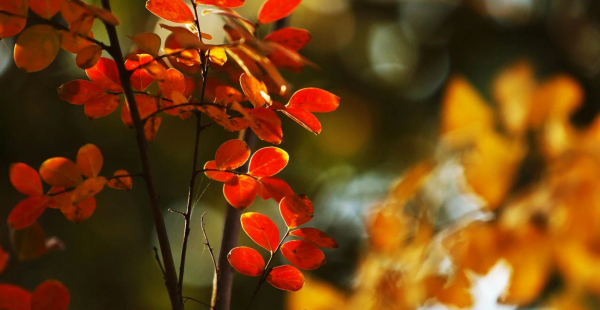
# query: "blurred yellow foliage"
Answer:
x=545 y=226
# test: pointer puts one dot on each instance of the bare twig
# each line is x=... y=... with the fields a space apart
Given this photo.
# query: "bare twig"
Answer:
x=207 y=243
x=196 y=300
x=162 y=269
x=161 y=230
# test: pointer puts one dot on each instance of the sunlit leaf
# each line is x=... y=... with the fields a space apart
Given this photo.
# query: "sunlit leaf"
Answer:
x=106 y=75
x=148 y=42
x=27 y=211
x=246 y=261
x=286 y=278
x=87 y=189
x=146 y=105
x=305 y=118
x=272 y=187
x=261 y=230
x=102 y=106
x=315 y=237
x=222 y=3
x=45 y=8
x=73 y=43
x=88 y=56
x=81 y=92
x=89 y=160
x=140 y=78
x=81 y=211
x=255 y=90
x=123 y=183
x=77 y=16
x=314 y=100
x=273 y=10
x=268 y=161
x=240 y=191
x=173 y=81
x=296 y=210
x=60 y=171
x=36 y=48
x=303 y=255
x=232 y=154
x=218 y=56
x=25 y=179
x=215 y=175
x=227 y=94
x=50 y=295
x=175 y=11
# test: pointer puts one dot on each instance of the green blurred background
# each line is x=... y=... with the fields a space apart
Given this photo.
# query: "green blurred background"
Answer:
x=388 y=60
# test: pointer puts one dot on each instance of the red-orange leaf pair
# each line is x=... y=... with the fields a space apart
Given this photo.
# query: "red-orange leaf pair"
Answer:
x=308 y=100
x=140 y=78
x=49 y=295
x=273 y=10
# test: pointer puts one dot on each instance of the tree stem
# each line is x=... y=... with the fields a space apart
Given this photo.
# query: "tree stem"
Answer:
x=161 y=230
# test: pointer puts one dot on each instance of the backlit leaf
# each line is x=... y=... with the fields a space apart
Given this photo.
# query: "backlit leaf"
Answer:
x=81 y=211
x=314 y=100
x=36 y=48
x=27 y=211
x=89 y=160
x=140 y=78
x=268 y=161
x=123 y=183
x=272 y=187
x=261 y=230
x=60 y=171
x=146 y=105
x=315 y=237
x=45 y=8
x=303 y=255
x=215 y=175
x=88 y=56
x=286 y=278
x=13 y=297
x=240 y=191
x=173 y=81
x=296 y=210
x=12 y=25
x=273 y=10
x=175 y=11
x=73 y=43
x=265 y=124
x=218 y=56
x=232 y=154
x=101 y=106
x=77 y=16
x=222 y=3
x=59 y=197
x=304 y=118
x=50 y=295
x=148 y=42
x=81 y=92
x=105 y=74
x=26 y=179
x=151 y=127
x=87 y=189
x=255 y=90
x=246 y=261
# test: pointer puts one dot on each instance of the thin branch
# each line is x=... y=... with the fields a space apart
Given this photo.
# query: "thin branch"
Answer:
x=194 y=104
x=175 y=211
x=57 y=26
x=207 y=243
x=159 y=222
x=236 y=172
x=162 y=269
x=196 y=300
x=70 y=189
x=161 y=57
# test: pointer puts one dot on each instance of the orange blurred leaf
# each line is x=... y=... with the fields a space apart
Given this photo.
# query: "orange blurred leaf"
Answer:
x=81 y=92
x=88 y=56
x=30 y=242
x=45 y=8
x=123 y=183
x=87 y=189
x=81 y=211
x=50 y=295
x=148 y=42
x=151 y=127
x=222 y=3
x=102 y=106
x=273 y=10
x=106 y=75
x=255 y=90
x=13 y=297
x=12 y=25
x=172 y=10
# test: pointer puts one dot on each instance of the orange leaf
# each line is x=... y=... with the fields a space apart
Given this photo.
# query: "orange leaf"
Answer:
x=11 y=25
x=296 y=210
x=246 y=261
x=273 y=10
x=146 y=105
x=105 y=74
x=140 y=78
x=218 y=56
x=77 y=16
x=81 y=211
x=240 y=191
x=304 y=118
x=123 y=183
x=292 y=38
x=315 y=237
x=255 y=90
x=303 y=255
x=87 y=189
x=227 y=94
x=73 y=43
x=30 y=242
x=88 y=56
x=265 y=124
x=36 y=48
x=172 y=10
x=59 y=197
x=13 y=297
x=25 y=179
x=261 y=230
x=50 y=295
x=314 y=100
x=60 y=171
x=286 y=278
x=81 y=92
x=27 y=211
x=215 y=175
x=148 y=42
x=268 y=161
x=89 y=160
x=45 y=8
x=174 y=81
x=232 y=154
x=222 y=3
x=151 y=127
x=102 y=106
x=271 y=187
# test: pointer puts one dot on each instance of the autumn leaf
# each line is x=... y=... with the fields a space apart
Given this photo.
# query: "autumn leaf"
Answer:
x=273 y=10
x=81 y=92
x=27 y=211
x=232 y=154
x=272 y=187
x=50 y=295
x=240 y=191
x=26 y=179
x=106 y=75
x=296 y=210
x=222 y=3
x=314 y=100
x=265 y=124
x=261 y=230
x=89 y=160
x=88 y=56
x=174 y=81
x=255 y=90
x=102 y=106
x=172 y=10
x=303 y=255
x=140 y=78
x=151 y=127
x=267 y=162
x=59 y=197
x=246 y=261
x=146 y=105
x=30 y=242
x=60 y=171
x=36 y=48
x=315 y=237
x=12 y=25
x=87 y=189
x=148 y=42
x=81 y=211
x=4 y=257
x=286 y=42
x=117 y=182
x=73 y=43
x=286 y=278
x=304 y=118
x=45 y=8
x=13 y=297
x=77 y=16
x=218 y=56
x=216 y=175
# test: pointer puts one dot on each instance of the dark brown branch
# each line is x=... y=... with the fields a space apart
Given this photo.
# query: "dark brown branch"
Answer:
x=162 y=269
x=161 y=230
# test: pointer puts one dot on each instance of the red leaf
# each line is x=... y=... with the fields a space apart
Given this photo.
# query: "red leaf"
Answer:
x=273 y=10
x=89 y=160
x=255 y=90
x=271 y=187
x=105 y=74
x=240 y=191
x=27 y=211
x=81 y=92
x=304 y=118
x=174 y=81
x=11 y=25
x=265 y=124
x=45 y=8
x=60 y=171
x=261 y=230
x=316 y=237
x=286 y=278
x=222 y=3
x=268 y=161
x=4 y=257
x=303 y=255
x=50 y=295
x=13 y=297
x=81 y=211
x=102 y=106
x=140 y=78
x=146 y=105
x=292 y=38
x=296 y=210
x=246 y=261
x=175 y=11
x=314 y=100
x=25 y=179
x=217 y=176
x=232 y=154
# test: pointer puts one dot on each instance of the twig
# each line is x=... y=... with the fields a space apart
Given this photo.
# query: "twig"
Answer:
x=162 y=269
x=196 y=300
x=207 y=243
x=161 y=230
x=236 y=172
x=70 y=189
